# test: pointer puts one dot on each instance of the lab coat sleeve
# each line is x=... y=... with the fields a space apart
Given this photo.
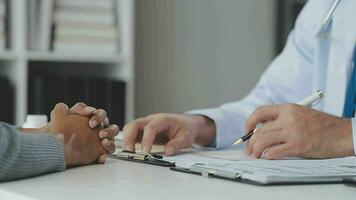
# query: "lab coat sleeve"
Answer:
x=287 y=79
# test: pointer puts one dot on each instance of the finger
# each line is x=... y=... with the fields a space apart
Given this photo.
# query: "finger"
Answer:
x=175 y=145
x=277 y=152
x=109 y=132
x=151 y=130
x=102 y=158
x=108 y=145
x=264 y=141
x=82 y=109
x=60 y=109
x=131 y=130
x=265 y=128
x=262 y=114
x=97 y=118
x=106 y=122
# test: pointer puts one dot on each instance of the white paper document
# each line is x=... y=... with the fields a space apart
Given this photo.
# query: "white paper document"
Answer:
x=273 y=171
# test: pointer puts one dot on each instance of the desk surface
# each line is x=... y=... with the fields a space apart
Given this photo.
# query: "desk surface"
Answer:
x=127 y=180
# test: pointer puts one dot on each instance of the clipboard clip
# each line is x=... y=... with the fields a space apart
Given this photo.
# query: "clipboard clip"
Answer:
x=153 y=159
x=207 y=171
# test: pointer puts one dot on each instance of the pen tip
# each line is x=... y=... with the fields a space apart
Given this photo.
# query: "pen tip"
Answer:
x=238 y=142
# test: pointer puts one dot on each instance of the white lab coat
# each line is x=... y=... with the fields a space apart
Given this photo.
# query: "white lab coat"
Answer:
x=308 y=63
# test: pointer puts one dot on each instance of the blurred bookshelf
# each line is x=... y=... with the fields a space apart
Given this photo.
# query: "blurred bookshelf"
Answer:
x=67 y=43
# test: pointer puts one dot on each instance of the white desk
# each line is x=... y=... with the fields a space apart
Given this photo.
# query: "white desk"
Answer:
x=122 y=180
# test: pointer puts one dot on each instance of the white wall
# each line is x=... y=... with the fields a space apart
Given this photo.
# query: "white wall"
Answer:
x=200 y=53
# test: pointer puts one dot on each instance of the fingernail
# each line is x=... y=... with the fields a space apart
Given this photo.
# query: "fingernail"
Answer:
x=107 y=142
x=102 y=134
x=93 y=123
x=113 y=126
x=169 y=151
x=89 y=108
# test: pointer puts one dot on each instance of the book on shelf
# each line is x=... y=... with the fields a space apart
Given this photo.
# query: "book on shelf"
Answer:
x=33 y=24
x=85 y=26
x=96 y=4
x=72 y=25
x=79 y=15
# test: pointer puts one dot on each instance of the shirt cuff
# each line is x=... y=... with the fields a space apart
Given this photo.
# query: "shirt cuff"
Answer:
x=353 y=122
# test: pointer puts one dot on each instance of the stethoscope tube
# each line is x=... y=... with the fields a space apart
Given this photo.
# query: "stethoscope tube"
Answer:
x=328 y=17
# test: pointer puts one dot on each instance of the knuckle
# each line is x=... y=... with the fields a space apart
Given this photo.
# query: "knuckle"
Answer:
x=149 y=129
x=59 y=104
x=154 y=115
x=79 y=104
x=291 y=109
x=132 y=124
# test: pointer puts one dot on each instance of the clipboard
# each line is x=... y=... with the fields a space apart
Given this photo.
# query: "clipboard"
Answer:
x=147 y=158
x=212 y=172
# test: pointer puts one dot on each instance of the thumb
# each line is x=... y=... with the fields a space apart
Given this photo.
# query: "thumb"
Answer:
x=175 y=145
x=59 y=110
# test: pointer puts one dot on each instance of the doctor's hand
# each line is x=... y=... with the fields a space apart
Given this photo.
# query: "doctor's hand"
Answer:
x=298 y=131
x=176 y=131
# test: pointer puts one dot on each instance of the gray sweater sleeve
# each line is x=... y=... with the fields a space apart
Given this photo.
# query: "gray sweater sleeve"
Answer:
x=24 y=155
